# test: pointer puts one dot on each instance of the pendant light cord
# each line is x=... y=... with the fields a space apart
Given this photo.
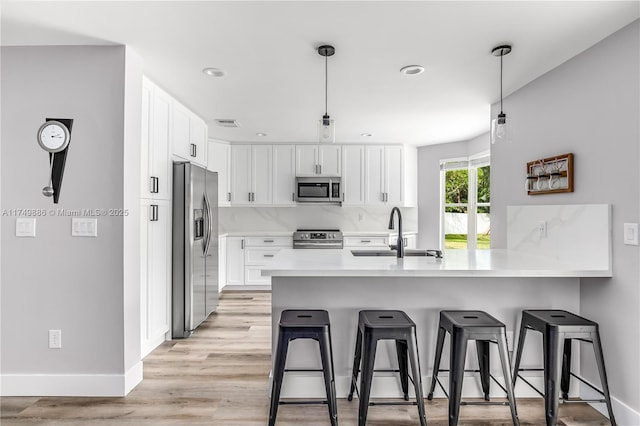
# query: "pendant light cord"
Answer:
x=501 y=56
x=326 y=84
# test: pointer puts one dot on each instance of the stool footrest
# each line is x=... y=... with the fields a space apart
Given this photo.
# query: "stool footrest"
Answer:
x=393 y=403
x=582 y=401
x=308 y=370
x=483 y=403
x=305 y=402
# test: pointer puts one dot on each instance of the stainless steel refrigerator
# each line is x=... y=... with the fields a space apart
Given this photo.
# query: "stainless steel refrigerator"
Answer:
x=195 y=247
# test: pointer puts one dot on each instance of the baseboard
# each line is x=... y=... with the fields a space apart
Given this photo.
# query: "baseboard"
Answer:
x=625 y=415
x=104 y=385
x=148 y=346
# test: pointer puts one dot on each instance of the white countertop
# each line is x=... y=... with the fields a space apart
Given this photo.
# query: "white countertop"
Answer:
x=290 y=233
x=456 y=263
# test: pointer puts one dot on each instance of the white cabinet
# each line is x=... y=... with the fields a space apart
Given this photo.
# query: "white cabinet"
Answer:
x=390 y=174
x=409 y=240
x=189 y=135
x=218 y=160
x=367 y=241
x=318 y=160
x=251 y=176
x=155 y=143
x=284 y=176
x=155 y=272
x=222 y=262
x=352 y=175
x=258 y=253
x=235 y=261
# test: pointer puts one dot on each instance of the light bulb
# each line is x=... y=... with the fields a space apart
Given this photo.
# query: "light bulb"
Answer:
x=326 y=130
x=500 y=129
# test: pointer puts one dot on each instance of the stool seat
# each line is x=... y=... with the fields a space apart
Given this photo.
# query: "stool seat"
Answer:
x=465 y=325
x=304 y=324
x=558 y=328
x=374 y=325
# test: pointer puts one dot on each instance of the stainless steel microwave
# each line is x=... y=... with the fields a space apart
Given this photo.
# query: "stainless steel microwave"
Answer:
x=318 y=190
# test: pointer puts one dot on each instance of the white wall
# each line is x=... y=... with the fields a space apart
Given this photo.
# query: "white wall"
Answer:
x=285 y=219
x=429 y=184
x=590 y=105
x=82 y=286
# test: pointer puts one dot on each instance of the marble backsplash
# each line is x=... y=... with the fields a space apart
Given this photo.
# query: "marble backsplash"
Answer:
x=278 y=219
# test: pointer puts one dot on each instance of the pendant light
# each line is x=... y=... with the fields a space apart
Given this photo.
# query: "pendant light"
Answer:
x=326 y=126
x=500 y=127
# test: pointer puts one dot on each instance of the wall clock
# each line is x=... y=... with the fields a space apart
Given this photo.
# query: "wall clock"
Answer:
x=53 y=136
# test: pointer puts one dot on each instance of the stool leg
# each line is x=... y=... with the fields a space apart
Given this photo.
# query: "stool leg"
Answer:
x=329 y=379
x=516 y=367
x=366 y=376
x=482 y=347
x=552 y=371
x=506 y=372
x=356 y=364
x=597 y=348
x=412 y=345
x=401 y=349
x=566 y=369
x=456 y=373
x=278 y=374
x=436 y=363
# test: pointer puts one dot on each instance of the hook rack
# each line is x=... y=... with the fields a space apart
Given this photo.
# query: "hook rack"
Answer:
x=550 y=175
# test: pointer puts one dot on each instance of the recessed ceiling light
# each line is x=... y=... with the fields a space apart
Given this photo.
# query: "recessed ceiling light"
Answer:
x=366 y=134
x=412 y=70
x=261 y=134
x=213 y=72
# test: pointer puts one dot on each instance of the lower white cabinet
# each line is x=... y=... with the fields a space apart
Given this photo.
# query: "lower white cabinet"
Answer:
x=367 y=241
x=246 y=256
x=222 y=262
x=155 y=273
x=235 y=261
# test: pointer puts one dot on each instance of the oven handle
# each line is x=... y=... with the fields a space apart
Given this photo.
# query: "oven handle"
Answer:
x=316 y=245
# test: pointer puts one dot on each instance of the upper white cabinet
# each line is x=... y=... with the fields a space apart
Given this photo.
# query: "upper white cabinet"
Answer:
x=353 y=175
x=390 y=174
x=251 y=174
x=218 y=160
x=318 y=160
x=284 y=175
x=155 y=143
x=189 y=135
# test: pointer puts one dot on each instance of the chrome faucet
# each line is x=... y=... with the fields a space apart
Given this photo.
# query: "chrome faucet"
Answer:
x=399 y=247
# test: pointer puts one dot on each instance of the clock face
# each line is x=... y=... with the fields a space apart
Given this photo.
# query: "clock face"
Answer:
x=53 y=136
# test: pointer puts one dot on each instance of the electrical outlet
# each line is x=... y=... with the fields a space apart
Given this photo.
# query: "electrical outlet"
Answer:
x=360 y=217
x=542 y=229
x=55 y=339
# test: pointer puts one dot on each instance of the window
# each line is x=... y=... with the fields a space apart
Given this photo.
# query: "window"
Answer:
x=466 y=203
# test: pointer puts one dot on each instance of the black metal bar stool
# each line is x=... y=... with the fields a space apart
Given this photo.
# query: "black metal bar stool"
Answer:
x=484 y=329
x=558 y=329
x=391 y=325
x=304 y=324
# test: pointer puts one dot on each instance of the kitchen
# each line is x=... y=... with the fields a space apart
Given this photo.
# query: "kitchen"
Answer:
x=587 y=105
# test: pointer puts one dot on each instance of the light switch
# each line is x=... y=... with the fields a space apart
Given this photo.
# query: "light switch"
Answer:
x=631 y=234
x=84 y=227
x=26 y=227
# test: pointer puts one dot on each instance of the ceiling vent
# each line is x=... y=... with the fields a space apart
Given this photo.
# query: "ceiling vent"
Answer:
x=224 y=122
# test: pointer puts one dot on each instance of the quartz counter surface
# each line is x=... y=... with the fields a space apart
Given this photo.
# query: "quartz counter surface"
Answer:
x=456 y=263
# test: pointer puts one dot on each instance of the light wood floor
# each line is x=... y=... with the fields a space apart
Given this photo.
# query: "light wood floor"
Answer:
x=219 y=377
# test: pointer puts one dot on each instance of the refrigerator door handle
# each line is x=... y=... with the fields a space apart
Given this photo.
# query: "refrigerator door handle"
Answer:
x=209 y=224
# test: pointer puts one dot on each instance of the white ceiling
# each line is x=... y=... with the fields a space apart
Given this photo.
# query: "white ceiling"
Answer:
x=274 y=79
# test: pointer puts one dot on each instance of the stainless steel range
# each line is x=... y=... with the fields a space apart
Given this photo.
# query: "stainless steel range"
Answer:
x=317 y=238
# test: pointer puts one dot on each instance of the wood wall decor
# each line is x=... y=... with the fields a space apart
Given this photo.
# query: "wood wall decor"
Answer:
x=550 y=175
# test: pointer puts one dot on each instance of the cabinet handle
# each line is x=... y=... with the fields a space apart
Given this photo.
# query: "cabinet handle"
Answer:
x=154 y=213
x=293 y=196
x=228 y=196
x=154 y=184
x=268 y=255
x=365 y=241
x=249 y=195
x=268 y=241
x=404 y=242
x=241 y=244
x=320 y=168
x=194 y=150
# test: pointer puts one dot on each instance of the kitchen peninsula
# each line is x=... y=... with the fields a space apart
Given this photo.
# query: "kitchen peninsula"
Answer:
x=501 y=282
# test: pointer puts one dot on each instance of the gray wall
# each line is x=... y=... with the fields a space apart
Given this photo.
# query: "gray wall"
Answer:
x=55 y=281
x=429 y=184
x=589 y=106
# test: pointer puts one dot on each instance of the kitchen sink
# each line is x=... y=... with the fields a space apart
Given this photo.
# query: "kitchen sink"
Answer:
x=407 y=252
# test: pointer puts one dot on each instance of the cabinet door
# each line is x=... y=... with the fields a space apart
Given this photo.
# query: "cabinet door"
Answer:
x=374 y=177
x=240 y=174
x=198 y=139
x=306 y=160
x=222 y=262
x=261 y=181
x=159 y=147
x=235 y=261
x=394 y=175
x=181 y=131
x=218 y=157
x=353 y=175
x=329 y=160
x=284 y=175
x=146 y=183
